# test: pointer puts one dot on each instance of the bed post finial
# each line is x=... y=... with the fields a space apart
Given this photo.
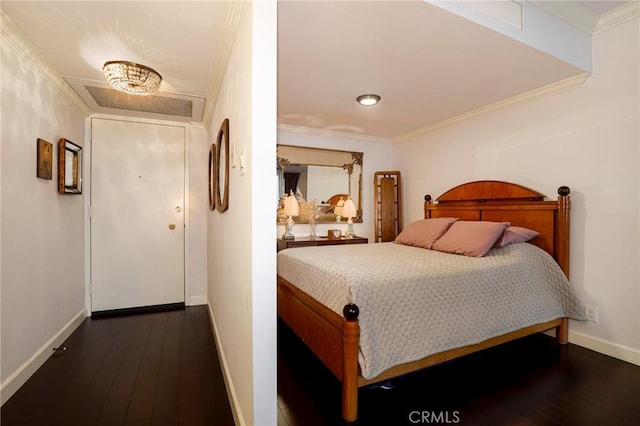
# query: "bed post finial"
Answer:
x=427 y=203
x=563 y=225
x=351 y=311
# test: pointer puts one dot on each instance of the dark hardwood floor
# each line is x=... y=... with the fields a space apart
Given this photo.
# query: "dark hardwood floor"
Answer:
x=146 y=369
x=532 y=381
x=163 y=368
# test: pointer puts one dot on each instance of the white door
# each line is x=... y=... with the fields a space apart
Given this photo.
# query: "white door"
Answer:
x=137 y=214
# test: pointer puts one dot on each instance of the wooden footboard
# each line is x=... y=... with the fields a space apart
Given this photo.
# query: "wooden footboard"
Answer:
x=333 y=338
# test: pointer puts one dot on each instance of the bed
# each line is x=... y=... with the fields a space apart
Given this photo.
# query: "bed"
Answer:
x=330 y=296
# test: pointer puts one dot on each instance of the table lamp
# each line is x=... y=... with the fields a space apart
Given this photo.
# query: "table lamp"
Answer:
x=291 y=208
x=349 y=211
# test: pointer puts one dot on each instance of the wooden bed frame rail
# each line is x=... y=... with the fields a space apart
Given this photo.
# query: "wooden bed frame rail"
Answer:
x=335 y=338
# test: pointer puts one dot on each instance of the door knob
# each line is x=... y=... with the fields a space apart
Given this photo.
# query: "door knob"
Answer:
x=172 y=226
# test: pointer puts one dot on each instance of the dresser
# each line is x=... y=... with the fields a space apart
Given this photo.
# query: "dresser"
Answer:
x=319 y=241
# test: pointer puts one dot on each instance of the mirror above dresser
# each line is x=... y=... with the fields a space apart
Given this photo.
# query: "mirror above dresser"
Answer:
x=323 y=175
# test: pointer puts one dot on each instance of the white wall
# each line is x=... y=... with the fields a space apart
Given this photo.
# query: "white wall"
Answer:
x=197 y=208
x=264 y=82
x=42 y=239
x=241 y=242
x=586 y=138
x=378 y=155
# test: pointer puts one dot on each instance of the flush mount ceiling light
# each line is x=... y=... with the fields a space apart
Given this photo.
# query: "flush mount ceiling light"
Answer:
x=132 y=78
x=368 y=100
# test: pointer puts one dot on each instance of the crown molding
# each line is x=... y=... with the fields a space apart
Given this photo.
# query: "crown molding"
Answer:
x=519 y=99
x=618 y=16
x=586 y=19
x=12 y=36
x=572 y=13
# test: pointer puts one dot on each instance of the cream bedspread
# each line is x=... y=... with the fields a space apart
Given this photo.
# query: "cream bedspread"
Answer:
x=415 y=302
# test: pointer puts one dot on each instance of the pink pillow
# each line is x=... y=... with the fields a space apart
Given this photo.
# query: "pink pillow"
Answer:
x=516 y=234
x=423 y=233
x=471 y=238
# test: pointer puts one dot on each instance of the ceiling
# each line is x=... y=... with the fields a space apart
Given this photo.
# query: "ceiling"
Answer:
x=428 y=65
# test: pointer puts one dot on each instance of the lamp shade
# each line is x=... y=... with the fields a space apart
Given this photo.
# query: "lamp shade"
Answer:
x=291 y=206
x=349 y=209
x=338 y=209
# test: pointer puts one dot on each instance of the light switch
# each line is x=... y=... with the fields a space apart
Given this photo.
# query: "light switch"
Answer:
x=233 y=154
x=243 y=159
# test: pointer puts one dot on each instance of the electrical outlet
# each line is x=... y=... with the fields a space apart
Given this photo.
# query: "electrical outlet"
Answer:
x=591 y=313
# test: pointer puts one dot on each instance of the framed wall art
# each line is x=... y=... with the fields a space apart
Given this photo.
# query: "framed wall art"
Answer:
x=69 y=167
x=44 y=162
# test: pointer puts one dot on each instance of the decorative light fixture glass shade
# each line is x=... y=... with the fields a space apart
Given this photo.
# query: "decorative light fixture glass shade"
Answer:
x=132 y=78
x=368 y=100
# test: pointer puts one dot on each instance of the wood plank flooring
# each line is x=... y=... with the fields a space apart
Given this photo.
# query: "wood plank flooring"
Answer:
x=532 y=381
x=159 y=368
x=163 y=368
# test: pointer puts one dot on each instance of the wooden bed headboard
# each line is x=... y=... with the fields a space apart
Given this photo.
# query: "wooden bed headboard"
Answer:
x=499 y=201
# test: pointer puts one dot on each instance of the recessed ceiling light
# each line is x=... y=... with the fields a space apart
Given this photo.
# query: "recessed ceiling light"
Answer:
x=368 y=100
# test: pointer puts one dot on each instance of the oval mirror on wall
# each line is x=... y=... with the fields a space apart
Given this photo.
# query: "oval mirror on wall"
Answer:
x=212 y=177
x=222 y=167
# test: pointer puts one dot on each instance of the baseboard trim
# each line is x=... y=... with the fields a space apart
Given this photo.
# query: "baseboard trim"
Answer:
x=198 y=300
x=26 y=370
x=137 y=310
x=605 y=347
x=228 y=383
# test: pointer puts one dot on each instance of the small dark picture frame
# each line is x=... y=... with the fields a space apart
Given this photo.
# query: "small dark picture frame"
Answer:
x=44 y=162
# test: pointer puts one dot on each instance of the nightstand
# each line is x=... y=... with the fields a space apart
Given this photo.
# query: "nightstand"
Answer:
x=318 y=241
